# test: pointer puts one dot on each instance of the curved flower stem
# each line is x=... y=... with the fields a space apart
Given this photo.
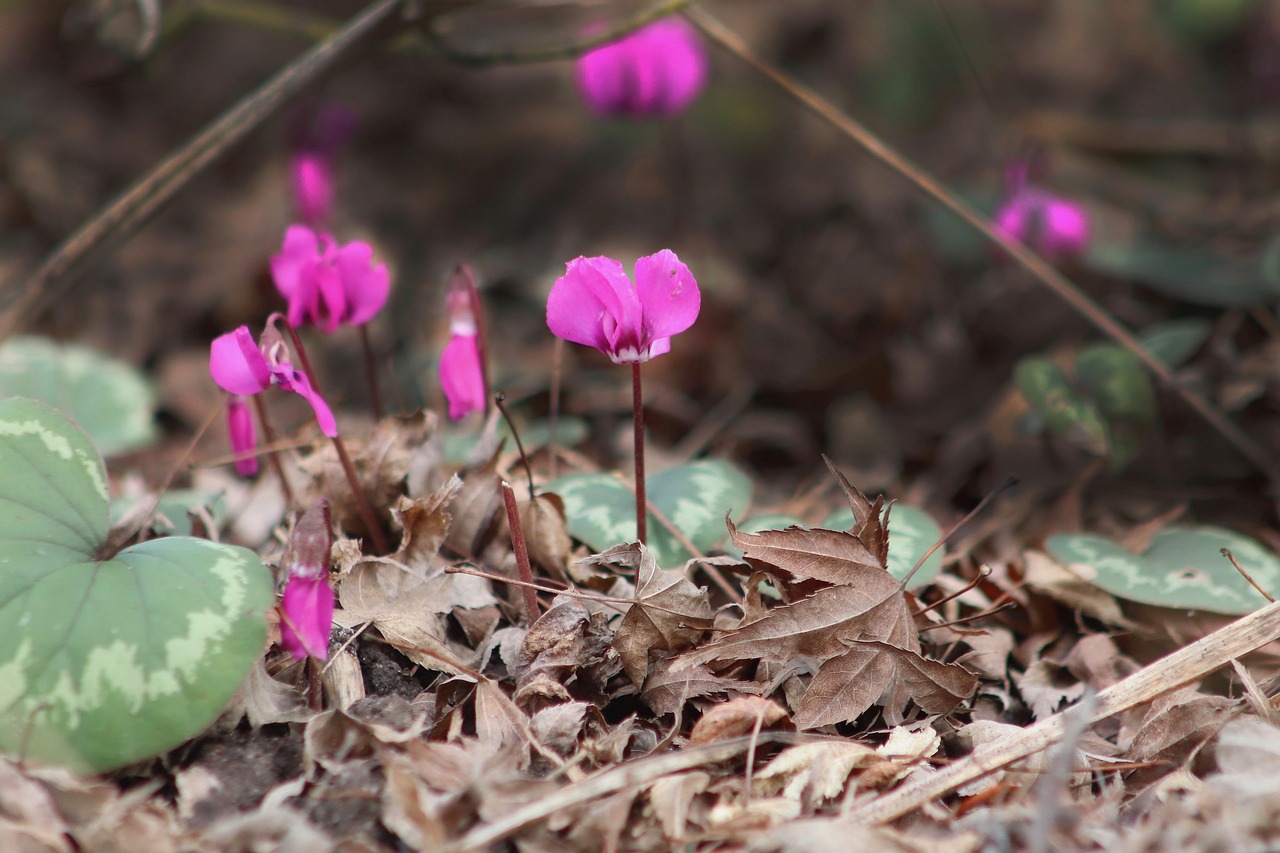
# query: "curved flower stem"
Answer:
x=1038 y=267
x=521 y=549
x=553 y=445
x=371 y=373
x=637 y=416
x=272 y=458
x=357 y=488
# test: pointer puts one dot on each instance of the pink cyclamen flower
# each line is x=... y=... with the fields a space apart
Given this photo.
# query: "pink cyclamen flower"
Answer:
x=307 y=603
x=655 y=71
x=312 y=186
x=243 y=366
x=1053 y=226
x=461 y=370
x=244 y=435
x=595 y=304
x=326 y=283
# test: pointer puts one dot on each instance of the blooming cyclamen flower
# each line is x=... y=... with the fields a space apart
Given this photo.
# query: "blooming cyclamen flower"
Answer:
x=244 y=435
x=655 y=71
x=594 y=303
x=243 y=366
x=1053 y=226
x=307 y=603
x=461 y=370
x=327 y=283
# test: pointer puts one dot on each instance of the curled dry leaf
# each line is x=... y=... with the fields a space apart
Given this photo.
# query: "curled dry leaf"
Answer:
x=264 y=700
x=669 y=614
x=567 y=640
x=816 y=770
x=474 y=510
x=557 y=727
x=546 y=533
x=667 y=689
x=737 y=717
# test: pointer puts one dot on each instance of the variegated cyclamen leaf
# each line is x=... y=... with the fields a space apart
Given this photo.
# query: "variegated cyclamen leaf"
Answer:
x=107 y=661
x=1183 y=568
x=600 y=509
x=107 y=398
x=912 y=532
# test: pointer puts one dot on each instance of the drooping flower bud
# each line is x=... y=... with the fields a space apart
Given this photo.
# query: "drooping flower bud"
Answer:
x=307 y=603
x=657 y=70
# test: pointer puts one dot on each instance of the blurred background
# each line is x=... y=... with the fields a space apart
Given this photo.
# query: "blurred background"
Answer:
x=843 y=312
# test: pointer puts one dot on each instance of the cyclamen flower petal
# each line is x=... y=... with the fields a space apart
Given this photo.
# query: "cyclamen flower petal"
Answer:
x=296 y=381
x=308 y=607
x=327 y=284
x=243 y=434
x=655 y=71
x=237 y=365
x=461 y=377
x=595 y=304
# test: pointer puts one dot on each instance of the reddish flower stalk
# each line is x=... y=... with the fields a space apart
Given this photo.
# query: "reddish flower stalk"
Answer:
x=521 y=550
x=357 y=488
x=272 y=455
x=637 y=419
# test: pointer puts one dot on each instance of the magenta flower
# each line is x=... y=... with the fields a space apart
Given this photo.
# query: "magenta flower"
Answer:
x=595 y=304
x=328 y=284
x=461 y=368
x=244 y=435
x=307 y=603
x=308 y=606
x=655 y=71
x=1053 y=226
x=312 y=186
x=242 y=366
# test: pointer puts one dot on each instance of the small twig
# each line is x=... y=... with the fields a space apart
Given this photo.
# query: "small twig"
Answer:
x=1037 y=266
x=557 y=366
x=129 y=210
x=951 y=531
x=984 y=572
x=559 y=52
x=273 y=457
x=990 y=611
x=500 y=400
x=1226 y=552
x=522 y=551
x=363 y=505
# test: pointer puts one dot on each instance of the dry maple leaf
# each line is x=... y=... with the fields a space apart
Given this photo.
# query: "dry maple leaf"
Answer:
x=666 y=690
x=735 y=718
x=834 y=556
x=847 y=685
x=669 y=613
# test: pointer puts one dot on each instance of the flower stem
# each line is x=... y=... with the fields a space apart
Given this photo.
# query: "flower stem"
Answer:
x=637 y=412
x=521 y=549
x=371 y=373
x=482 y=341
x=272 y=459
x=553 y=448
x=365 y=508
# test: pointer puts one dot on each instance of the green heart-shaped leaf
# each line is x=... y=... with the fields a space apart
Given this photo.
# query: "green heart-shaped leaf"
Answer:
x=1184 y=568
x=1191 y=274
x=601 y=510
x=107 y=398
x=912 y=532
x=107 y=661
x=1049 y=393
x=1174 y=341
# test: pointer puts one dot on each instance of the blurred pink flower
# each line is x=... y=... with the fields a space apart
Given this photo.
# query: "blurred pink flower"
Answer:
x=307 y=603
x=1051 y=225
x=243 y=366
x=595 y=304
x=328 y=284
x=461 y=370
x=655 y=71
x=244 y=435
x=312 y=186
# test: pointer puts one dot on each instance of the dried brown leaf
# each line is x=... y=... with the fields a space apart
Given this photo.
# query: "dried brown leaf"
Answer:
x=669 y=614
x=474 y=510
x=546 y=533
x=672 y=800
x=847 y=685
x=833 y=556
x=817 y=771
x=667 y=689
x=265 y=700
x=557 y=727
x=735 y=718
x=568 y=640
x=820 y=625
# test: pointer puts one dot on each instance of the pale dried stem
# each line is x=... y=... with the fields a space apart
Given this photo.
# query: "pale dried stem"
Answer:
x=1184 y=666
